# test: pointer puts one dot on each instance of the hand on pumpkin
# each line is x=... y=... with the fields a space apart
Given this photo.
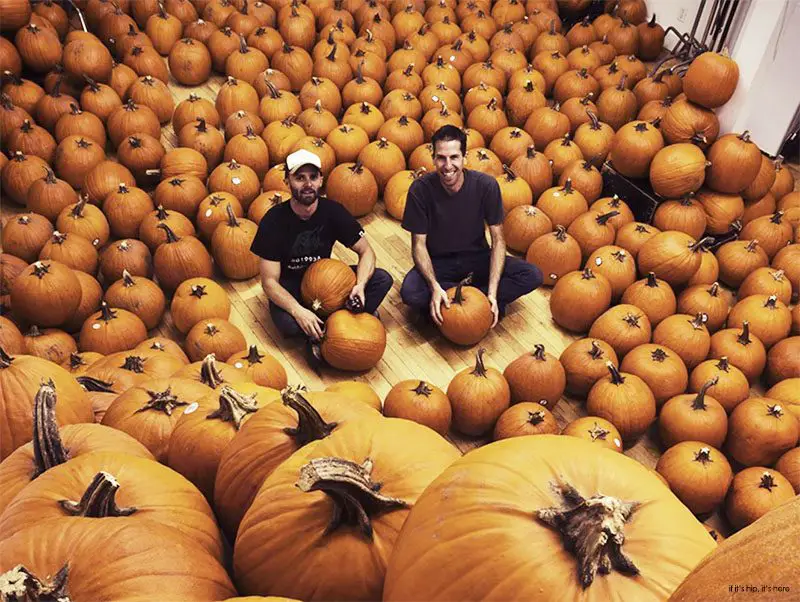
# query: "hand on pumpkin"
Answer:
x=438 y=296
x=495 y=309
x=310 y=323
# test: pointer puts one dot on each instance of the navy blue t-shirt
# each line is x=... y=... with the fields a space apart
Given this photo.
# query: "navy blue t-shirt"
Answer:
x=296 y=243
x=454 y=223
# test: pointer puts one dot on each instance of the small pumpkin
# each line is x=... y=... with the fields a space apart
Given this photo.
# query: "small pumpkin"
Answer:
x=469 y=317
x=536 y=376
x=585 y=362
x=693 y=417
x=755 y=491
x=580 y=289
x=698 y=474
x=672 y=256
x=770 y=320
x=478 y=397
x=653 y=296
x=625 y=400
x=760 y=431
x=595 y=430
x=624 y=327
x=524 y=419
x=353 y=342
x=424 y=403
x=660 y=367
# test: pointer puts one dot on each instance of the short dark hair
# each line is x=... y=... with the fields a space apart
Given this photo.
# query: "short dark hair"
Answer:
x=447 y=133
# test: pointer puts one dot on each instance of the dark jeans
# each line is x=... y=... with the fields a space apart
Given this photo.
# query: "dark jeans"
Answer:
x=519 y=278
x=377 y=288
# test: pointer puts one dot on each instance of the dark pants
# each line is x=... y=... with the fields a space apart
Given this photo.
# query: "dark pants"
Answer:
x=519 y=278
x=377 y=288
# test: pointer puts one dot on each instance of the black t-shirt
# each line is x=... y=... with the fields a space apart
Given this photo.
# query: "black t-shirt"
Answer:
x=454 y=223
x=296 y=243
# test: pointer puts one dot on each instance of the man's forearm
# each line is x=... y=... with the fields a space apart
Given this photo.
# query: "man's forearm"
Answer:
x=422 y=260
x=279 y=295
x=496 y=265
x=365 y=268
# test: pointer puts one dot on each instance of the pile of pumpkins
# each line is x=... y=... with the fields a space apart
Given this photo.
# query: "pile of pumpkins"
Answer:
x=185 y=436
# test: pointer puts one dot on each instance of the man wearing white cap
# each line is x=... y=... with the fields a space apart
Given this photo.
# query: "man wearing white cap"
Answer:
x=298 y=232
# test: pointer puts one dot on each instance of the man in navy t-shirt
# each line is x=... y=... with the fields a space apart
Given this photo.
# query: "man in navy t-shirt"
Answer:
x=298 y=232
x=446 y=213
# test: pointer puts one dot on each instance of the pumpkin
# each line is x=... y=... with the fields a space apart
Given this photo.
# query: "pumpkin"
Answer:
x=214 y=336
x=557 y=477
x=357 y=391
x=594 y=138
x=201 y=433
x=536 y=376
x=555 y=254
x=685 y=215
x=535 y=169
x=77 y=549
x=595 y=430
x=48 y=196
x=579 y=298
x=585 y=362
x=523 y=419
x=353 y=342
x=738 y=259
x=755 y=491
x=698 y=474
x=478 y=396
x=686 y=335
x=623 y=327
x=712 y=301
x=84 y=220
x=773 y=232
x=163 y=345
x=677 y=169
x=735 y=163
x=625 y=400
x=660 y=367
x=111 y=329
x=711 y=79
x=326 y=285
x=52 y=446
x=562 y=204
x=652 y=296
x=354 y=186
x=788 y=466
x=270 y=437
x=770 y=320
x=125 y=369
x=469 y=317
x=51 y=344
x=742 y=348
x=616 y=265
x=524 y=224
x=180 y=258
x=593 y=230
x=320 y=471
x=672 y=256
x=786 y=392
x=632 y=236
x=760 y=431
x=693 y=417
x=46 y=293
x=26 y=236
x=264 y=369
x=424 y=403
x=786 y=260
x=730 y=386
x=781 y=361
x=11 y=339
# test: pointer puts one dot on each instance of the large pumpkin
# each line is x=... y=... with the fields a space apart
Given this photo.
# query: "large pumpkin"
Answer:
x=52 y=446
x=469 y=317
x=543 y=518
x=20 y=379
x=347 y=497
x=757 y=551
x=353 y=342
x=326 y=285
x=269 y=438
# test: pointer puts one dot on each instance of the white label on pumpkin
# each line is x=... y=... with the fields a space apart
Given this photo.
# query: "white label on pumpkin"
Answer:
x=209 y=212
x=238 y=365
x=452 y=58
x=553 y=276
x=236 y=180
x=96 y=326
x=192 y=407
x=618 y=443
x=435 y=98
x=598 y=261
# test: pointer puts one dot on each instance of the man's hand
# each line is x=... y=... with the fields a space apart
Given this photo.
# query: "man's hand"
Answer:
x=310 y=323
x=357 y=295
x=495 y=309
x=438 y=296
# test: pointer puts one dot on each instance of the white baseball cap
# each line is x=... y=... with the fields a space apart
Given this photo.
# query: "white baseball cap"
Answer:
x=300 y=158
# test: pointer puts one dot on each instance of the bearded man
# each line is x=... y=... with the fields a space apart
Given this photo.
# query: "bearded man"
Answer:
x=298 y=232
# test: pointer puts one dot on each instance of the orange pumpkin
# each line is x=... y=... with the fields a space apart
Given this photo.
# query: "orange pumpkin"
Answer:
x=469 y=317
x=353 y=342
x=478 y=397
x=326 y=285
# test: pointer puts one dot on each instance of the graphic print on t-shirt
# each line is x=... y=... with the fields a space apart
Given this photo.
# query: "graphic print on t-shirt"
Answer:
x=306 y=249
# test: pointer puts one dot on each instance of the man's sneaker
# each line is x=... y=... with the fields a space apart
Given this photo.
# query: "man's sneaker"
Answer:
x=314 y=356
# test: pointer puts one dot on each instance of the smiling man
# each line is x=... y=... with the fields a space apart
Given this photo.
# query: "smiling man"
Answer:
x=447 y=213
x=300 y=231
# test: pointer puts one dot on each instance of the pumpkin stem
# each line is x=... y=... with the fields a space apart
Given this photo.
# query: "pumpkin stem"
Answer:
x=751 y=246
x=233 y=406
x=652 y=281
x=423 y=389
x=593 y=118
x=20 y=584
x=703 y=455
x=253 y=355
x=699 y=321
x=595 y=352
x=356 y=498
x=567 y=189
x=480 y=367
x=209 y=372
x=622 y=81
x=77 y=210
x=699 y=402
x=134 y=363
x=98 y=501
x=459 y=296
x=162 y=401
x=48 y=449
x=510 y=175
x=744 y=337
x=536 y=417
x=603 y=219
x=652 y=22
x=530 y=151
x=95 y=384
x=767 y=481
x=597 y=432
x=538 y=352
x=632 y=320
x=171 y=236
x=34 y=331
x=593 y=530
x=702 y=244
x=76 y=361
x=311 y=426
x=232 y=221
x=777 y=217
x=561 y=233
x=723 y=364
x=772 y=302
x=616 y=376
x=127 y=279
x=106 y=313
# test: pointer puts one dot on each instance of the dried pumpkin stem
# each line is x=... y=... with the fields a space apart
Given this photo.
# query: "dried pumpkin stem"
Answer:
x=652 y=281
x=744 y=337
x=459 y=296
x=311 y=426
x=699 y=402
x=233 y=406
x=19 y=584
x=162 y=401
x=134 y=363
x=538 y=352
x=209 y=372
x=616 y=375
x=356 y=497
x=480 y=367
x=48 y=449
x=253 y=355
x=98 y=501
x=595 y=352
x=423 y=389
x=593 y=529
x=602 y=220
x=536 y=417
